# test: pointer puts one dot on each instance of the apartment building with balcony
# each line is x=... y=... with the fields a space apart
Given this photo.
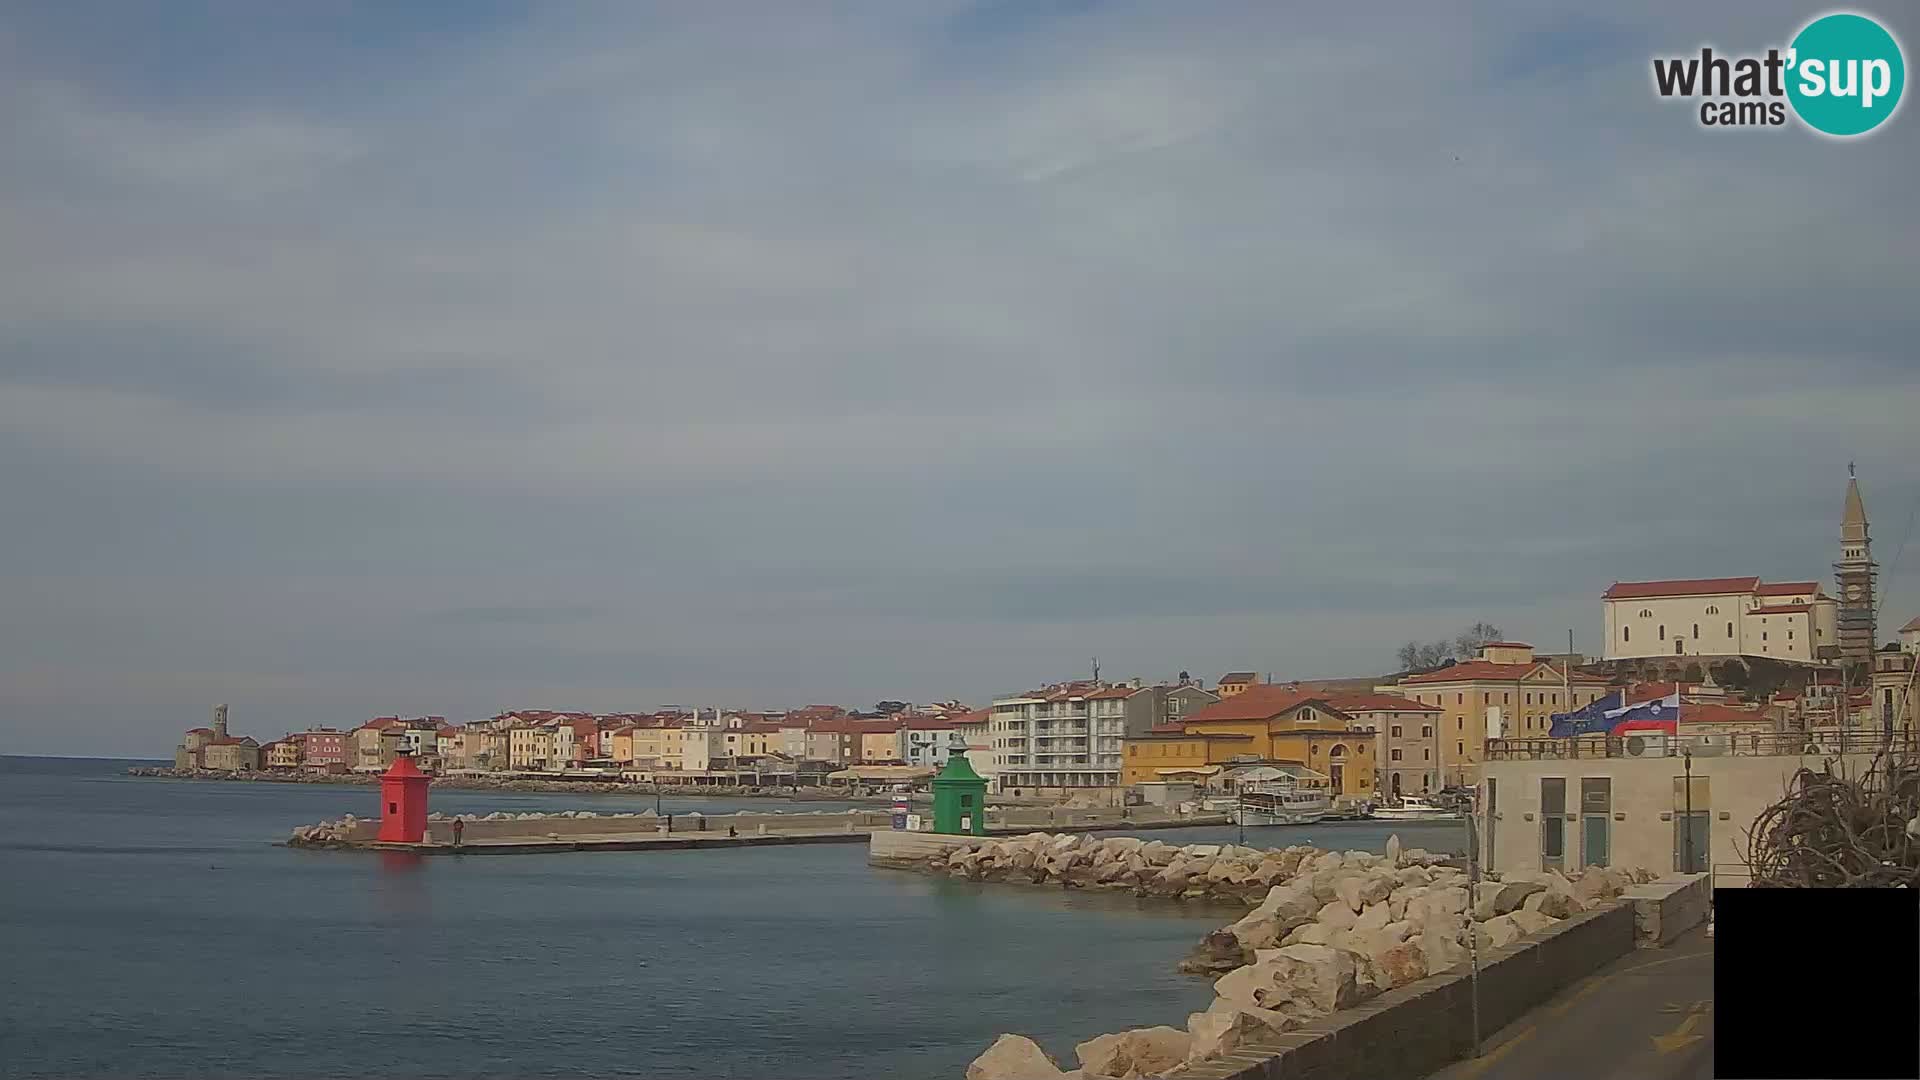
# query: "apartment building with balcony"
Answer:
x=1061 y=738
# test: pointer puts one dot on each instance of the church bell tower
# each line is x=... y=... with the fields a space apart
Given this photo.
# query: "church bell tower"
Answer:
x=1855 y=574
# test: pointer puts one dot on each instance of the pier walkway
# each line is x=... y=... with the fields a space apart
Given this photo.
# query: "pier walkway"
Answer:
x=1646 y=1016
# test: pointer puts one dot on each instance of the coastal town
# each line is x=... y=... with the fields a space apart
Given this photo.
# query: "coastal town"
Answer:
x=1733 y=671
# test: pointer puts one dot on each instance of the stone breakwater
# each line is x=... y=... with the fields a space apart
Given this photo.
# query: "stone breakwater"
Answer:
x=502 y=783
x=1329 y=931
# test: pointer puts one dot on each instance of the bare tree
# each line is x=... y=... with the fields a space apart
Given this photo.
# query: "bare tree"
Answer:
x=1415 y=656
x=1467 y=644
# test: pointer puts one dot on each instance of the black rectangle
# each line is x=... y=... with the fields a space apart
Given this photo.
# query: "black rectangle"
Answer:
x=1816 y=983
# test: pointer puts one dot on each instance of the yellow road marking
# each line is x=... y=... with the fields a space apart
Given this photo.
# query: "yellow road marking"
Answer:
x=1592 y=985
x=1681 y=1036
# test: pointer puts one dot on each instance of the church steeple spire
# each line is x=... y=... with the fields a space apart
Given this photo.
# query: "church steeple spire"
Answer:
x=1855 y=575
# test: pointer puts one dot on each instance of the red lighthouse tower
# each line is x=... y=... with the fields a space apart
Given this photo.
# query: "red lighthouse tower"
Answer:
x=403 y=802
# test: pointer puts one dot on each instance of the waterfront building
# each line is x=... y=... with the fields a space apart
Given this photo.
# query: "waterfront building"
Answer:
x=1628 y=802
x=1406 y=739
x=376 y=743
x=1062 y=737
x=530 y=746
x=227 y=753
x=1235 y=682
x=879 y=741
x=930 y=740
x=324 y=750
x=282 y=753
x=1262 y=723
x=1505 y=691
x=1910 y=636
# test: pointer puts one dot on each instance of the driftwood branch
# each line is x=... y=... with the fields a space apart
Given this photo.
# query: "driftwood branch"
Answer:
x=1835 y=830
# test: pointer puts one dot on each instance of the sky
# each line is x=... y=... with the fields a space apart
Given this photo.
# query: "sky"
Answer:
x=364 y=358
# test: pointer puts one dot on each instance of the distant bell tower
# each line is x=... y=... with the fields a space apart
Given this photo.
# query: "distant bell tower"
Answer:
x=1855 y=574
x=219 y=721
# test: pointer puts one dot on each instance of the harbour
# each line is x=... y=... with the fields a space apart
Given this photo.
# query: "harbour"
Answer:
x=273 y=962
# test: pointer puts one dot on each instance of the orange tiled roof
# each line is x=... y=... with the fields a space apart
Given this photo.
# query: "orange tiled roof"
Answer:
x=1787 y=588
x=1647 y=590
x=1355 y=703
x=1261 y=701
x=1488 y=671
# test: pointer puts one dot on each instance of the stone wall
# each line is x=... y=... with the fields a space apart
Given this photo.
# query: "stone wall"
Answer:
x=910 y=850
x=1669 y=907
x=1423 y=1026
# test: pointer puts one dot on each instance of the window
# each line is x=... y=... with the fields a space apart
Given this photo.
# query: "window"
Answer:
x=1626 y=633
x=1426 y=731
x=1712 y=610
x=1696 y=629
x=1459 y=699
x=1459 y=724
x=1763 y=635
x=1427 y=754
x=1663 y=631
x=1396 y=755
x=1529 y=699
x=1396 y=731
x=1460 y=749
x=1553 y=822
x=1729 y=629
x=1789 y=635
x=1506 y=699
x=1646 y=613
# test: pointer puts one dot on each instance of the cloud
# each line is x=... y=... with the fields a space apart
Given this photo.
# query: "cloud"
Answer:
x=605 y=356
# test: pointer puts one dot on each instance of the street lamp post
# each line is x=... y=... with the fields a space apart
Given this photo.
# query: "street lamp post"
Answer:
x=1686 y=828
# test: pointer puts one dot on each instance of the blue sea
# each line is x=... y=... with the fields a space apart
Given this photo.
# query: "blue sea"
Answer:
x=152 y=928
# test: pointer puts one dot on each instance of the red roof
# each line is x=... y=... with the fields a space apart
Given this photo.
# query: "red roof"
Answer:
x=1507 y=645
x=979 y=716
x=1114 y=692
x=1260 y=701
x=382 y=723
x=1240 y=677
x=1914 y=624
x=1647 y=590
x=199 y=731
x=1788 y=588
x=1488 y=671
x=1359 y=703
x=930 y=723
x=764 y=727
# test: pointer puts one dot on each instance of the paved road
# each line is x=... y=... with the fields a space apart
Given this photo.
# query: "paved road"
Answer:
x=1647 y=1016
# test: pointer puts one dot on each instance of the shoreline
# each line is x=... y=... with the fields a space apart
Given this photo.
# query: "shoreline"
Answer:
x=514 y=784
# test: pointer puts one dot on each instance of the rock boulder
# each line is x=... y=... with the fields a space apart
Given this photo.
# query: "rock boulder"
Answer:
x=1014 y=1057
x=1143 y=1052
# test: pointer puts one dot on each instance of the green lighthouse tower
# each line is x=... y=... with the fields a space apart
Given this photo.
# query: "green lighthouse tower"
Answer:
x=959 y=798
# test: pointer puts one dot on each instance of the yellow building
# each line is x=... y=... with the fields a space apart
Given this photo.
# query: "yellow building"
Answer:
x=1261 y=722
x=283 y=753
x=659 y=747
x=530 y=747
x=1504 y=693
x=880 y=741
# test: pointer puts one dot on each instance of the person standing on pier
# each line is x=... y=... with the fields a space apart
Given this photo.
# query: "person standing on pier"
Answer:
x=459 y=830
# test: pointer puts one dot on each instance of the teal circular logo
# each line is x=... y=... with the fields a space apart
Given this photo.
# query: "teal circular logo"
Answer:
x=1845 y=74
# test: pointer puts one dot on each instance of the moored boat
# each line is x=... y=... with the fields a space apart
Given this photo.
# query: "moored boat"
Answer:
x=1279 y=803
x=1414 y=809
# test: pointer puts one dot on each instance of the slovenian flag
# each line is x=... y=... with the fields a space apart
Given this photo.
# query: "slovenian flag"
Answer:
x=1659 y=710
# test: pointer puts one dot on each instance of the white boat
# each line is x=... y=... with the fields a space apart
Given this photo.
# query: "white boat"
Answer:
x=1410 y=809
x=1219 y=804
x=1281 y=802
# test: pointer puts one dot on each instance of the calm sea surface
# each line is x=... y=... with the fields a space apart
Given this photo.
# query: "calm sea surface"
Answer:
x=150 y=928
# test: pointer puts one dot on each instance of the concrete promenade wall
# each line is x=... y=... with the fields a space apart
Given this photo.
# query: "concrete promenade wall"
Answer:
x=1669 y=907
x=1411 y=1032
x=906 y=850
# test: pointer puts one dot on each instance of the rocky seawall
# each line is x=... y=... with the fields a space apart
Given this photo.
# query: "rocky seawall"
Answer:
x=1327 y=931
